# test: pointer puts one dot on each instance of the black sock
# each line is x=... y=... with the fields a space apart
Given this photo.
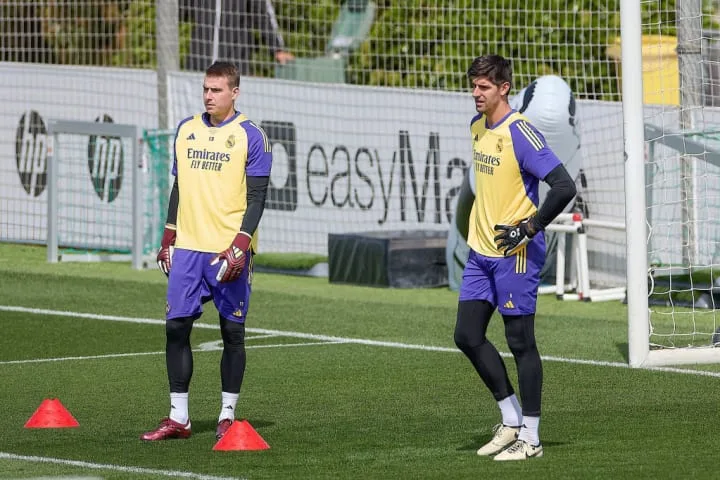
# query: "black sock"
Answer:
x=178 y=354
x=520 y=334
x=473 y=318
x=232 y=363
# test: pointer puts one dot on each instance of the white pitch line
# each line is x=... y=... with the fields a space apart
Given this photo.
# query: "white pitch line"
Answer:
x=334 y=339
x=140 y=354
x=257 y=337
x=63 y=477
x=65 y=359
x=117 y=468
x=92 y=316
x=303 y=344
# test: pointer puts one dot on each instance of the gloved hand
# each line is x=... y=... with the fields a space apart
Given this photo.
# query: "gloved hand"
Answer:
x=233 y=258
x=513 y=237
x=167 y=245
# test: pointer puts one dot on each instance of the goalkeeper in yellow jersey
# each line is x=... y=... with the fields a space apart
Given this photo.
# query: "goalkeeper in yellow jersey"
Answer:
x=507 y=252
x=222 y=169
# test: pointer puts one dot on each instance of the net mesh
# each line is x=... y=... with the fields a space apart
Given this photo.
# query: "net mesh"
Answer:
x=423 y=47
x=94 y=194
x=417 y=44
x=157 y=154
x=680 y=78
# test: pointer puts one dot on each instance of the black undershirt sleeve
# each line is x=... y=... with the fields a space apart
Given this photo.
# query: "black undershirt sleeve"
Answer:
x=173 y=205
x=562 y=191
x=256 y=193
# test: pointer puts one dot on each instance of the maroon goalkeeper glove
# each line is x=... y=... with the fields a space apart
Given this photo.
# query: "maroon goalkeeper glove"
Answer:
x=233 y=258
x=167 y=245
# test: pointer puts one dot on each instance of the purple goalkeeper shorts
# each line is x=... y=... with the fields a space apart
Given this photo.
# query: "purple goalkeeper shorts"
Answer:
x=508 y=283
x=192 y=282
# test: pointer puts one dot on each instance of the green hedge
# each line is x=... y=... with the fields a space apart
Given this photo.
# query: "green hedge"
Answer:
x=413 y=43
x=416 y=46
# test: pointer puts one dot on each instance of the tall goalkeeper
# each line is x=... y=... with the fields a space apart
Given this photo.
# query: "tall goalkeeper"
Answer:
x=222 y=169
x=507 y=252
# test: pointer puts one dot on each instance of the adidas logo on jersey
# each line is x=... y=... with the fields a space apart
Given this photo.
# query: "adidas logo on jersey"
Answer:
x=509 y=304
x=238 y=313
x=191 y=137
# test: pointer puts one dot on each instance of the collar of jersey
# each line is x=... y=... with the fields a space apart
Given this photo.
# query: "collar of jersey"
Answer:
x=500 y=122
x=206 y=120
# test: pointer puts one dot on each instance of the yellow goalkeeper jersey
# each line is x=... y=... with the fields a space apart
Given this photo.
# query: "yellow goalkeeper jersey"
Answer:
x=509 y=160
x=212 y=164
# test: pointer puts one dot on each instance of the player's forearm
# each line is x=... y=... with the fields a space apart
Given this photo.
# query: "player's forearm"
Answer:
x=173 y=205
x=562 y=191
x=256 y=194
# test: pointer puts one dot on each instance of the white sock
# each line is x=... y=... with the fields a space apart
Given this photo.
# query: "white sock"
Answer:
x=227 y=410
x=530 y=430
x=511 y=411
x=179 y=407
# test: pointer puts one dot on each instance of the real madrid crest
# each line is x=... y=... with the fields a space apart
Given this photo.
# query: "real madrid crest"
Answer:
x=230 y=142
x=499 y=146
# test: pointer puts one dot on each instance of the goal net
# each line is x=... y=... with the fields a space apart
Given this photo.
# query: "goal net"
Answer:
x=101 y=199
x=673 y=167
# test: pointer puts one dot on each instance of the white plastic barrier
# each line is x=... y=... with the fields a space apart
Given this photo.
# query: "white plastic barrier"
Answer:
x=578 y=287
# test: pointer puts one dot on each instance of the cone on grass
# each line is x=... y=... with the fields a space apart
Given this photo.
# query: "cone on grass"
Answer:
x=51 y=414
x=241 y=436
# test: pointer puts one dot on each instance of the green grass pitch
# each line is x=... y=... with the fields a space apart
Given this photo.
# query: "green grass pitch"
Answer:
x=342 y=382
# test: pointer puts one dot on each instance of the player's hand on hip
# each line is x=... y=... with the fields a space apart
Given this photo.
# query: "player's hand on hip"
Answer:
x=514 y=237
x=233 y=258
x=167 y=245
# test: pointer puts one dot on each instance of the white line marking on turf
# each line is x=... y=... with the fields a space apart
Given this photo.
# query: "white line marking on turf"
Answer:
x=92 y=316
x=63 y=477
x=139 y=354
x=257 y=337
x=333 y=339
x=303 y=344
x=89 y=357
x=117 y=468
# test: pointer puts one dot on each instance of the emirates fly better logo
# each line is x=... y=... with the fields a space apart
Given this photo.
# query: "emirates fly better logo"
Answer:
x=31 y=152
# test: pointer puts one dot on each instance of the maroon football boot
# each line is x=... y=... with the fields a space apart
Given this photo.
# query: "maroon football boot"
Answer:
x=222 y=427
x=166 y=430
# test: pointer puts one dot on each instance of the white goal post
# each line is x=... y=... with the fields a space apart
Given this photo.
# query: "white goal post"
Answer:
x=637 y=289
x=664 y=229
x=93 y=213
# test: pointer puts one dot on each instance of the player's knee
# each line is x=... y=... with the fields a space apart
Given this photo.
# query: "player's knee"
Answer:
x=465 y=339
x=472 y=319
x=520 y=334
x=233 y=333
x=177 y=330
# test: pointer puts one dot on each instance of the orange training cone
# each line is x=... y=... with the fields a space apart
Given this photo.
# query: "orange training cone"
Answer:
x=51 y=414
x=241 y=436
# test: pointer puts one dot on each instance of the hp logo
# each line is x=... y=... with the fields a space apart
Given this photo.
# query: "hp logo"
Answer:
x=105 y=162
x=31 y=152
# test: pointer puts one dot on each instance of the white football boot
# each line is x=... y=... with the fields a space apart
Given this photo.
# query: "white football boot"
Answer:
x=503 y=437
x=520 y=450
